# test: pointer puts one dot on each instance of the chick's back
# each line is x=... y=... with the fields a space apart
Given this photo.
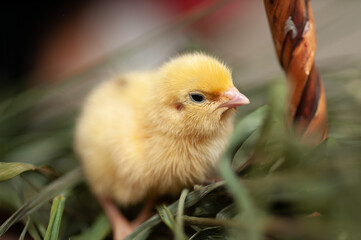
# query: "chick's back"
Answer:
x=109 y=138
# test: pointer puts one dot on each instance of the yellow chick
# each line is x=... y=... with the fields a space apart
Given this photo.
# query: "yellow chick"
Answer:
x=147 y=134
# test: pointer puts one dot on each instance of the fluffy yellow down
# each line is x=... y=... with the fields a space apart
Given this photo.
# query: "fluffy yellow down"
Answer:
x=140 y=135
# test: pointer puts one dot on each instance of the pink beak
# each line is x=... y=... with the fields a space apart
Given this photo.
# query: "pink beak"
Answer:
x=235 y=98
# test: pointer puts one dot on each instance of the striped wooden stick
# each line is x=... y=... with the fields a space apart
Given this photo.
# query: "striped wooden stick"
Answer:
x=293 y=31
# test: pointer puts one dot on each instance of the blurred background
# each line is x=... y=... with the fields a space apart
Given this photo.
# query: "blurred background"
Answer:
x=43 y=42
x=53 y=52
x=50 y=42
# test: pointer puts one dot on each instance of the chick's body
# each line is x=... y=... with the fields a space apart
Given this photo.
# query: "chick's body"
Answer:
x=142 y=134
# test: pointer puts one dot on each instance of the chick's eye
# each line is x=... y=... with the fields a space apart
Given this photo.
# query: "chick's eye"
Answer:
x=197 y=97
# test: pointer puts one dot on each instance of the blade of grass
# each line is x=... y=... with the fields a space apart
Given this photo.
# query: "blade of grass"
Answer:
x=22 y=235
x=192 y=198
x=37 y=227
x=10 y=170
x=242 y=199
x=228 y=212
x=56 y=214
x=209 y=233
x=244 y=128
x=166 y=216
x=65 y=182
x=33 y=232
x=99 y=230
x=212 y=222
x=179 y=227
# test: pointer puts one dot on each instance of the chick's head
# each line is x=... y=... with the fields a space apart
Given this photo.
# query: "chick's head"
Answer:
x=196 y=95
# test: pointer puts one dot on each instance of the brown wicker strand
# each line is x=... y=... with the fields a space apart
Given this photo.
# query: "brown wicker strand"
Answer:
x=293 y=32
